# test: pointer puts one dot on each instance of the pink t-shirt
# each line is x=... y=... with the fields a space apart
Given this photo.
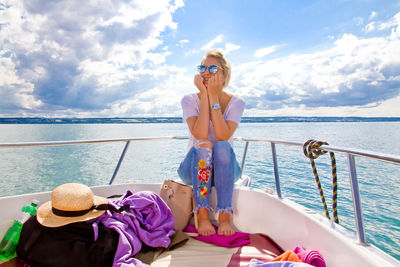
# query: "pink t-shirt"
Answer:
x=191 y=107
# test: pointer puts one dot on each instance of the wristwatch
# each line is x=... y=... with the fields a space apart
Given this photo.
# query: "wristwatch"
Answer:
x=215 y=106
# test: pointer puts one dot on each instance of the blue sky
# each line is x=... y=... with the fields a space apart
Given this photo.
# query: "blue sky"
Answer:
x=130 y=58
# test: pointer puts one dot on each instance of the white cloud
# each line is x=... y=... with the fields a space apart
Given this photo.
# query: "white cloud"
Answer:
x=393 y=22
x=358 y=21
x=372 y=15
x=64 y=55
x=161 y=99
x=226 y=49
x=383 y=25
x=63 y=58
x=181 y=43
x=213 y=42
x=353 y=73
x=229 y=47
x=370 y=27
x=177 y=4
x=192 y=52
x=262 y=52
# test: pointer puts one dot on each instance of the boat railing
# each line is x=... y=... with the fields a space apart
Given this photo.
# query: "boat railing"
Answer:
x=350 y=153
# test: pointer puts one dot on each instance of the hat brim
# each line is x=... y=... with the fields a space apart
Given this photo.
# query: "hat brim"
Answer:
x=47 y=218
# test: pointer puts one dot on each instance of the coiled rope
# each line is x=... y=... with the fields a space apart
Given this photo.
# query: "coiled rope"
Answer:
x=312 y=151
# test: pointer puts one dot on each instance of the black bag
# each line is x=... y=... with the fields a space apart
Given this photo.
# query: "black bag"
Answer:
x=66 y=246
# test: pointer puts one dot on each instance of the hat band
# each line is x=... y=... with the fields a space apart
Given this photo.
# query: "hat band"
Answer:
x=77 y=213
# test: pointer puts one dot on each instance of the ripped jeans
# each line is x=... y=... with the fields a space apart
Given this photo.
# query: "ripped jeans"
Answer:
x=203 y=168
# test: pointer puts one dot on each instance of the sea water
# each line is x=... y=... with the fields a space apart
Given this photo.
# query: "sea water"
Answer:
x=27 y=170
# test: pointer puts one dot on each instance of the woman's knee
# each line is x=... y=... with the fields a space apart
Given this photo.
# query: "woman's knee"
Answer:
x=222 y=150
x=204 y=144
x=223 y=147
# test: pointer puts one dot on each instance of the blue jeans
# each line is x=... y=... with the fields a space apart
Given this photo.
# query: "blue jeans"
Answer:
x=204 y=168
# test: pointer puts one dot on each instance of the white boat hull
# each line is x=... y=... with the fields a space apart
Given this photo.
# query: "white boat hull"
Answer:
x=287 y=223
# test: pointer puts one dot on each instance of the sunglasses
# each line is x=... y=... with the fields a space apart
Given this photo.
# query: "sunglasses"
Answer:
x=212 y=69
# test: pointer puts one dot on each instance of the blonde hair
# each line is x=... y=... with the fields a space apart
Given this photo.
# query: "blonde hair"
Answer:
x=225 y=64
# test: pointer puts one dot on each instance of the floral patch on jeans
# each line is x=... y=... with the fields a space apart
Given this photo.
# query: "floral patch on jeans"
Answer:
x=204 y=173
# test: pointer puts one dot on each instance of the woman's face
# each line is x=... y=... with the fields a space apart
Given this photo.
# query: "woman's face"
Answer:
x=207 y=75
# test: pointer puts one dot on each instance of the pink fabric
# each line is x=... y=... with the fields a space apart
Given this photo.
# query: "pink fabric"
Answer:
x=261 y=248
x=311 y=257
x=237 y=240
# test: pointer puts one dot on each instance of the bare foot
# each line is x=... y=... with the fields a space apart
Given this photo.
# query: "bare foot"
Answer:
x=225 y=227
x=205 y=228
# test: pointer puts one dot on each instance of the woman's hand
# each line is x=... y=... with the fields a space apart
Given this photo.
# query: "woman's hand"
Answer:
x=199 y=82
x=215 y=83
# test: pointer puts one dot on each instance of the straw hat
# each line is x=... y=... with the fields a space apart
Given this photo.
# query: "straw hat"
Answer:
x=70 y=203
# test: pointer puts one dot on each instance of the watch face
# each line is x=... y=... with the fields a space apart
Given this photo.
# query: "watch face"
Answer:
x=215 y=106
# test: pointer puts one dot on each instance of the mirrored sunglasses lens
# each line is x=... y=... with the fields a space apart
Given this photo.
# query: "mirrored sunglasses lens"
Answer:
x=201 y=68
x=213 y=69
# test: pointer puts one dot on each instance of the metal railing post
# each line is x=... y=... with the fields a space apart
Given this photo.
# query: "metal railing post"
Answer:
x=244 y=158
x=120 y=161
x=355 y=192
x=276 y=170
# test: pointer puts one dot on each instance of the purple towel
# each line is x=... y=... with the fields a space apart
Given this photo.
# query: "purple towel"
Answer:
x=150 y=222
x=311 y=257
x=237 y=240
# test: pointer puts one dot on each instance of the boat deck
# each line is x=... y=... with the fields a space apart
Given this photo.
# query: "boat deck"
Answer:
x=285 y=222
x=255 y=212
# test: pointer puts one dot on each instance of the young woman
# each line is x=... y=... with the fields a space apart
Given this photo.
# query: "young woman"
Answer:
x=212 y=116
